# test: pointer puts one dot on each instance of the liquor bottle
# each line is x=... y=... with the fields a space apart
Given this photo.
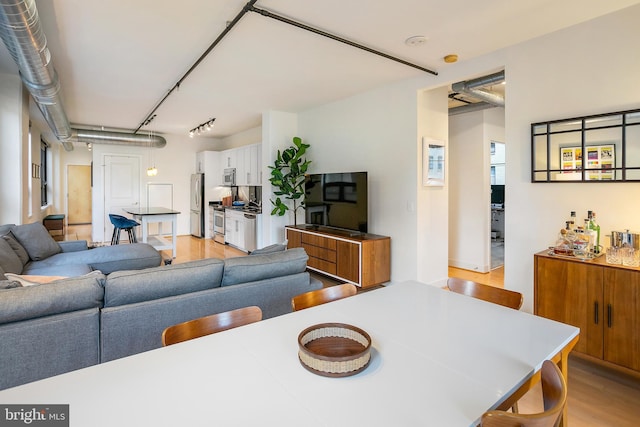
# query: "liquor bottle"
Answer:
x=593 y=225
x=589 y=232
x=572 y=220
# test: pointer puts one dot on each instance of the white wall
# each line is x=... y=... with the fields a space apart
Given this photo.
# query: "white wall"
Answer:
x=278 y=130
x=375 y=132
x=432 y=237
x=175 y=163
x=469 y=206
x=470 y=198
x=247 y=137
x=583 y=70
x=15 y=168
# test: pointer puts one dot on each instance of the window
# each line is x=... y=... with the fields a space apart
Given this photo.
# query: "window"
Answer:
x=44 y=173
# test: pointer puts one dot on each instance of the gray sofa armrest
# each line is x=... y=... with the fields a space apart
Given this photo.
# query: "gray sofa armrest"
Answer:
x=73 y=245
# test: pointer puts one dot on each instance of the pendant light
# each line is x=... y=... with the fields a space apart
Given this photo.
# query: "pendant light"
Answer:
x=152 y=170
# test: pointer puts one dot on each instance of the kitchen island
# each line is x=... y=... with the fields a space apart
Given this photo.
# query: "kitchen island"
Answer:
x=157 y=215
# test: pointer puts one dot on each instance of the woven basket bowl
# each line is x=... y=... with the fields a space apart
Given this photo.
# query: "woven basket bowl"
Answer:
x=334 y=349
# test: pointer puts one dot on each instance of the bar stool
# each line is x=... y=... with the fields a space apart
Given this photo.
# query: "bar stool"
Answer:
x=122 y=223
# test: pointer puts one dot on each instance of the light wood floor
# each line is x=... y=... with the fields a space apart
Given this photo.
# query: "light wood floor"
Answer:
x=598 y=396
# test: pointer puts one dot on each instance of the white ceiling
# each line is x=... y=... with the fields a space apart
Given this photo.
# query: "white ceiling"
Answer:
x=116 y=59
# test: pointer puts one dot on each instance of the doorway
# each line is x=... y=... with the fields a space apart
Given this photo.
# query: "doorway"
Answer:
x=498 y=164
x=121 y=187
x=79 y=194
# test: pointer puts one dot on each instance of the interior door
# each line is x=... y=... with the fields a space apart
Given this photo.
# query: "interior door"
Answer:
x=79 y=194
x=121 y=188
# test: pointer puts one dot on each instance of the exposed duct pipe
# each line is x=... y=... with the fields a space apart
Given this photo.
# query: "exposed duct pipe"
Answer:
x=22 y=33
x=117 y=138
x=472 y=88
x=476 y=106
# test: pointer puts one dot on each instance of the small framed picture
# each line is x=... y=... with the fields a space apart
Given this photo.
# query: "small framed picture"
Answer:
x=433 y=162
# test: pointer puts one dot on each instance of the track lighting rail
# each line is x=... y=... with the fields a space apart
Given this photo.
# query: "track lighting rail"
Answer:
x=249 y=7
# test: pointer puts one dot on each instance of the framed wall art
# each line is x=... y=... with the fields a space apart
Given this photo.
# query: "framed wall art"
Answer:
x=433 y=162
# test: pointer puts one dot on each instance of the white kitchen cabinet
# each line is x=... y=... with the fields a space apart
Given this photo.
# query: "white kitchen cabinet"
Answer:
x=247 y=161
x=229 y=158
x=234 y=228
x=252 y=163
x=241 y=167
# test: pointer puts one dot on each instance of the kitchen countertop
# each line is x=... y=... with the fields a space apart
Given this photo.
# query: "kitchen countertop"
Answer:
x=246 y=209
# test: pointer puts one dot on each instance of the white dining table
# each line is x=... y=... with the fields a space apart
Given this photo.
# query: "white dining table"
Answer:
x=438 y=359
x=159 y=215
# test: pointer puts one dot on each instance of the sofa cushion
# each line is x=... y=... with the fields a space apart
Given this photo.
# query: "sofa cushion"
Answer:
x=106 y=259
x=17 y=247
x=62 y=296
x=267 y=266
x=129 y=287
x=9 y=261
x=36 y=240
x=5 y=228
x=276 y=247
x=41 y=268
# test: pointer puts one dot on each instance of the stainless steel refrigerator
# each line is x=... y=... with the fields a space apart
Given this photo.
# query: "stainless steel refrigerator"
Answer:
x=197 y=210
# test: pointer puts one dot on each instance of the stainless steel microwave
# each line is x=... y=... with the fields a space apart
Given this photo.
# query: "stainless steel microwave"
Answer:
x=229 y=176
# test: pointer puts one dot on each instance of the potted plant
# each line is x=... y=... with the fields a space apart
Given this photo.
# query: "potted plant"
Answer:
x=287 y=176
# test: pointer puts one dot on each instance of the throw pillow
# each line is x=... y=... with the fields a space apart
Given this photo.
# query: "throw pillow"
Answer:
x=276 y=247
x=9 y=261
x=17 y=247
x=30 y=280
x=36 y=240
x=9 y=284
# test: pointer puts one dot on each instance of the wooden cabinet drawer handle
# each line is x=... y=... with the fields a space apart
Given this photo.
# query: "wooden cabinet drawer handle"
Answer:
x=609 y=310
x=595 y=312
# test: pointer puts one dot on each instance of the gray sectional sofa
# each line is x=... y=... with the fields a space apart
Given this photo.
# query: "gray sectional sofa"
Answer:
x=72 y=323
x=29 y=249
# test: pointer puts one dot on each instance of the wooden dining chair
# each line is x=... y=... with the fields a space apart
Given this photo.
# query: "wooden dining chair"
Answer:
x=210 y=324
x=505 y=297
x=321 y=296
x=554 y=396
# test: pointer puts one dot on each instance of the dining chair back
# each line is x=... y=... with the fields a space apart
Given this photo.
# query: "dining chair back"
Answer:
x=554 y=396
x=505 y=297
x=208 y=325
x=321 y=296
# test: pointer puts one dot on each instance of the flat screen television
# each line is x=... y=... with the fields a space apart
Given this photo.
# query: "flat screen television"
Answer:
x=337 y=200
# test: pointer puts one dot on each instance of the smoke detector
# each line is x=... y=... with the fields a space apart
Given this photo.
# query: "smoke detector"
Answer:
x=415 y=41
x=449 y=59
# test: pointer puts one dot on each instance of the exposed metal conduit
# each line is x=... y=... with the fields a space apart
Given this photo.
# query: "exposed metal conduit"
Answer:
x=228 y=28
x=22 y=33
x=472 y=88
x=306 y=27
x=249 y=7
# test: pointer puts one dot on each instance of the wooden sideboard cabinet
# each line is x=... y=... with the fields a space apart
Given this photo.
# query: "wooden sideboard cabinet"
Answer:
x=361 y=259
x=603 y=300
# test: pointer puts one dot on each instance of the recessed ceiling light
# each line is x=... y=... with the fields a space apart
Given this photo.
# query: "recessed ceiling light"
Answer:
x=449 y=59
x=415 y=41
